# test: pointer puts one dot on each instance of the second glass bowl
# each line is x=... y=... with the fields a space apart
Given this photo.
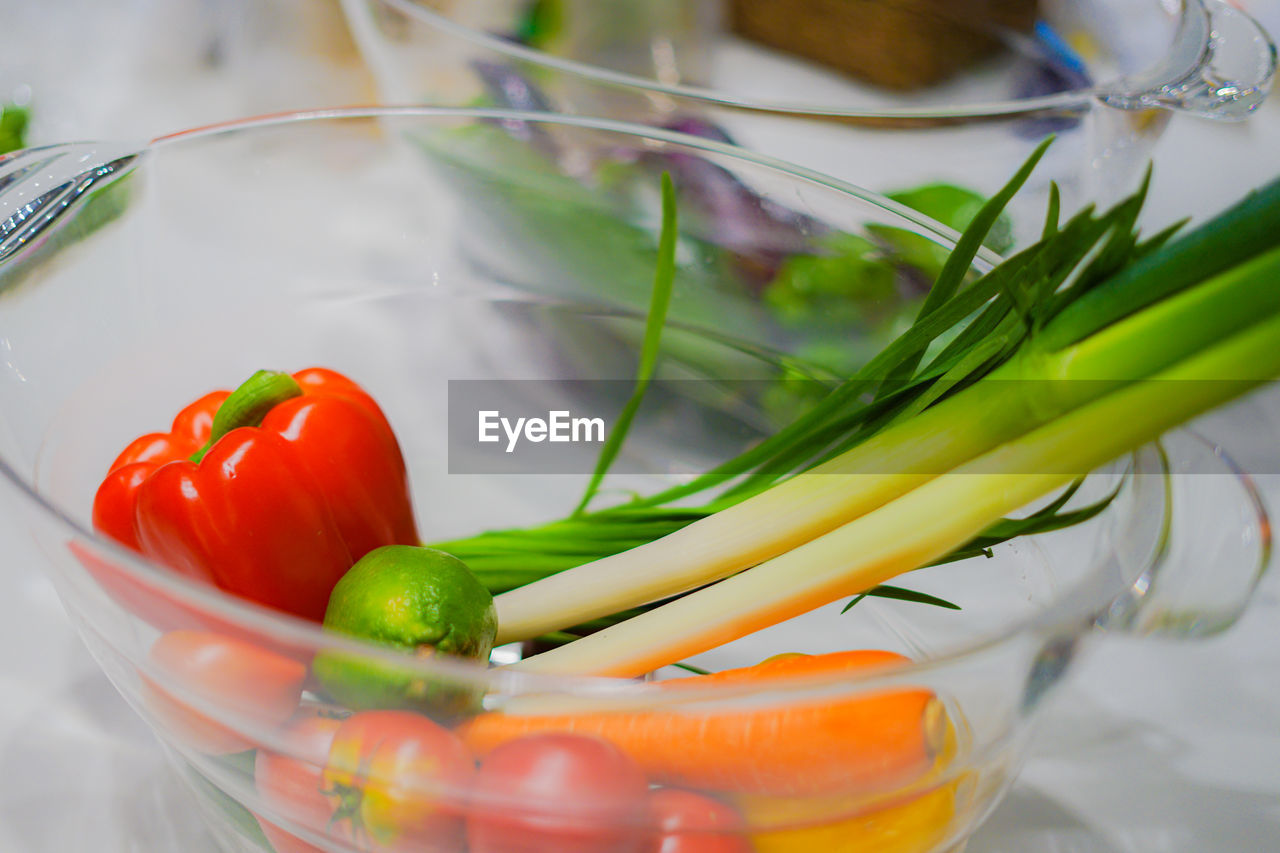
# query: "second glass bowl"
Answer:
x=1102 y=76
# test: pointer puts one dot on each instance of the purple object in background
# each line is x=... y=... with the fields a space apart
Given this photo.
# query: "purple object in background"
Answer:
x=509 y=88
x=695 y=126
x=760 y=233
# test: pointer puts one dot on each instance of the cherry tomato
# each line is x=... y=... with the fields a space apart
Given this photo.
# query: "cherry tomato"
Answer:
x=558 y=793
x=236 y=675
x=401 y=778
x=290 y=780
x=693 y=823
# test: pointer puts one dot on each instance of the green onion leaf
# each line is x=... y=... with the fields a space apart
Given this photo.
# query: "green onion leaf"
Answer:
x=663 y=280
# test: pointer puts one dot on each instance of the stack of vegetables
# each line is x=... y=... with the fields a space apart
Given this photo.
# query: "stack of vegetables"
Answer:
x=291 y=492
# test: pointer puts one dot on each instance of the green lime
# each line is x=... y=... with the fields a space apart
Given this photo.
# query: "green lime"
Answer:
x=419 y=600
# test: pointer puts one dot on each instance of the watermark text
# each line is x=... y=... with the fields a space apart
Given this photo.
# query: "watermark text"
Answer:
x=558 y=426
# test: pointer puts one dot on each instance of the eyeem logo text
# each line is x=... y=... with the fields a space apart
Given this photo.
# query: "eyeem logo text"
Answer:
x=558 y=426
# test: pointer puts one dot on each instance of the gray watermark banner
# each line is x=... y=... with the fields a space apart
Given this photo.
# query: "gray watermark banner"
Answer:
x=560 y=427
x=687 y=427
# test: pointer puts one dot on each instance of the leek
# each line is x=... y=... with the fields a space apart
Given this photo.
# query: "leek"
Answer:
x=1089 y=332
x=892 y=540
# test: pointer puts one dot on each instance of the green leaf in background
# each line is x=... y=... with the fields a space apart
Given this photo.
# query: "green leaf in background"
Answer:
x=13 y=127
x=540 y=23
x=847 y=286
x=954 y=207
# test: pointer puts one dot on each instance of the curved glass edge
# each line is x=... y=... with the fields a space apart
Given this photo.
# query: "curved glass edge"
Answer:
x=271 y=624
x=1184 y=56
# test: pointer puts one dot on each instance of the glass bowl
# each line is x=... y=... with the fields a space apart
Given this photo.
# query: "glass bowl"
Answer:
x=135 y=278
x=1103 y=76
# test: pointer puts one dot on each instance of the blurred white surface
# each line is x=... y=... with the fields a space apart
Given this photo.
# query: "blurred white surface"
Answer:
x=1152 y=747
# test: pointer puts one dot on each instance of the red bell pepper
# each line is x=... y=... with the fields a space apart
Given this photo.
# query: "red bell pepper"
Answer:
x=275 y=513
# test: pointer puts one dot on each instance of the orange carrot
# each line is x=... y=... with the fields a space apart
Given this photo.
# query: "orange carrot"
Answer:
x=856 y=742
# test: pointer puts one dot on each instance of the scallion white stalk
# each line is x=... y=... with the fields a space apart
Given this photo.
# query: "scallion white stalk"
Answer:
x=1030 y=390
x=931 y=520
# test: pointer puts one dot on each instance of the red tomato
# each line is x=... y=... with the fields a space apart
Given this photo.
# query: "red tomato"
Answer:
x=692 y=823
x=235 y=675
x=290 y=781
x=402 y=778
x=558 y=793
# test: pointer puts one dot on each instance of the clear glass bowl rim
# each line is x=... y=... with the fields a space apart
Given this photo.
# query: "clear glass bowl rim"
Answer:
x=296 y=632
x=1071 y=100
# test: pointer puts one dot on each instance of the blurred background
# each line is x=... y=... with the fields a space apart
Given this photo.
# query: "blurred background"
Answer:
x=1156 y=746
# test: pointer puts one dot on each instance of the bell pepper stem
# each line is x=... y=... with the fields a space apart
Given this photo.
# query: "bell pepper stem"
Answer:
x=249 y=404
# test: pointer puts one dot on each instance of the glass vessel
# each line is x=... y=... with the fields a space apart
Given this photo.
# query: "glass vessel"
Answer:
x=135 y=278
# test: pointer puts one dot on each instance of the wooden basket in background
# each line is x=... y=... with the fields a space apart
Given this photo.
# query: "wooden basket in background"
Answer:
x=898 y=44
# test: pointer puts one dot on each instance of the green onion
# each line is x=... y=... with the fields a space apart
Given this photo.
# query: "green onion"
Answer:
x=892 y=539
x=663 y=280
x=1073 y=351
